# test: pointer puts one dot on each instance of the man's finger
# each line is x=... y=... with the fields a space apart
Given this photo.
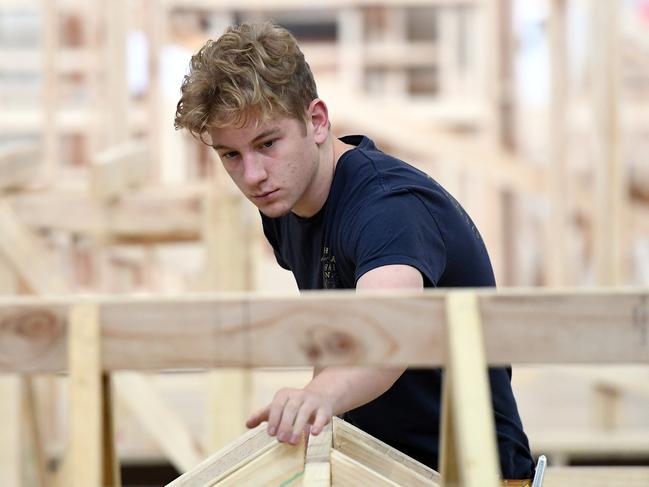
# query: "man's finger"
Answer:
x=257 y=417
x=285 y=429
x=302 y=418
x=322 y=418
x=275 y=414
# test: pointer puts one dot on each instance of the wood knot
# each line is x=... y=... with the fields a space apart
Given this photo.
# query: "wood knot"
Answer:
x=339 y=343
x=25 y=334
x=322 y=342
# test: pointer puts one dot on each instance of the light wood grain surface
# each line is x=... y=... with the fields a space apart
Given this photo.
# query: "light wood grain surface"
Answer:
x=318 y=328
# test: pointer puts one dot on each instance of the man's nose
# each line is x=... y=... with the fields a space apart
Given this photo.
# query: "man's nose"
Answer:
x=254 y=171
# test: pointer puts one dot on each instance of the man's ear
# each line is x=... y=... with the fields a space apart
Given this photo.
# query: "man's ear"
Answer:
x=318 y=117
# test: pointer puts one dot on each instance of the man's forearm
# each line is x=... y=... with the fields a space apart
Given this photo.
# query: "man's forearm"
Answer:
x=351 y=387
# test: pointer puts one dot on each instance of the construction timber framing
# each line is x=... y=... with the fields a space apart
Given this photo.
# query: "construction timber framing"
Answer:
x=462 y=330
x=341 y=455
x=326 y=328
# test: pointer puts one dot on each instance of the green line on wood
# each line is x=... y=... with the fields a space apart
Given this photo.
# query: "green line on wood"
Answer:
x=294 y=477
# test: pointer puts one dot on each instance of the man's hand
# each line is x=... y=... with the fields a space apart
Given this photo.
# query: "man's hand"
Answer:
x=291 y=411
x=335 y=390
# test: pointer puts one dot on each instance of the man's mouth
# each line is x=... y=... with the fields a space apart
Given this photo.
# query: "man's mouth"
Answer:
x=264 y=194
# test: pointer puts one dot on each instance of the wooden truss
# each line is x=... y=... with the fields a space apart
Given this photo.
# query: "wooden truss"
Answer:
x=342 y=455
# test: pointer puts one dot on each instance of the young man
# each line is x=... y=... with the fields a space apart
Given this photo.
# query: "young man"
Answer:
x=341 y=214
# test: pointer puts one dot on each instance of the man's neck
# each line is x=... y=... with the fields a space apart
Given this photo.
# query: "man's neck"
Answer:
x=330 y=153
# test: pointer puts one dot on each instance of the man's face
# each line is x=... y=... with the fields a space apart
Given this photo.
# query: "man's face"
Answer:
x=273 y=163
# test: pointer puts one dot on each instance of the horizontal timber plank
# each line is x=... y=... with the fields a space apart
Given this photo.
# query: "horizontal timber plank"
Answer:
x=135 y=217
x=301 y=4
x=322 y=328
x=597 y=476
x=591 y=444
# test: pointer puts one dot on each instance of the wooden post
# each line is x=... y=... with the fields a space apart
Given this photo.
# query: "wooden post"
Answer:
x=499 y=136
x=91 y=457
x=557 y=223
x=154 y=14
x=110 y=462
x=37 y=457
x=350 y=48
x=448 y=26
x=610 y=193
x=396 y=80
x=50 y=88
x=227 y=254
x=448 y=454
x=116 y=97
x=468 y=451
x=10 y=431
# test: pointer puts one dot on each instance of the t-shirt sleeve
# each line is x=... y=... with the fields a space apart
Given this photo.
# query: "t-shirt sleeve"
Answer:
x=397 y=228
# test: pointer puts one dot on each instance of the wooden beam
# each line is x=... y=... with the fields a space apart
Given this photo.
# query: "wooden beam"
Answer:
x=470 y=424
x=380 y=457
x=317 y=466
x=590 y=444
x=230 y=458
x=251 y=460
x=67 y=120
x=325 y=328
x=283 y=464
x=345 y=472
x=134 y=217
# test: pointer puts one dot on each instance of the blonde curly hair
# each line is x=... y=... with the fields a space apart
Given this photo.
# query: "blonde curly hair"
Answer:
x=253 y=69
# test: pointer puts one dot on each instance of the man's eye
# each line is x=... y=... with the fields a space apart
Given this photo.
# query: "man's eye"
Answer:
x=229 y=155
x=268 y=143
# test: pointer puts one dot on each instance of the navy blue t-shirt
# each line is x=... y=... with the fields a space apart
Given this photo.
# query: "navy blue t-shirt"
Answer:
x=382 y=211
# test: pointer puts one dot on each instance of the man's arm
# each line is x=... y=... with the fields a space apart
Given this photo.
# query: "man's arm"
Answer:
x=335 y=390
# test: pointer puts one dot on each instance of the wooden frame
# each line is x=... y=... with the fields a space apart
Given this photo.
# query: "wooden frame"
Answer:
x=341 y=455
x=383 y=328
